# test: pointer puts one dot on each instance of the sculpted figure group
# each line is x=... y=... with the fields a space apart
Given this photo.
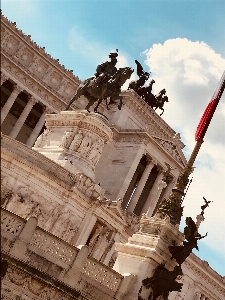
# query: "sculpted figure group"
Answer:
x=108 y=80
x=164 y=281
x=101 y=242
x=145 y=92
x=82 y=143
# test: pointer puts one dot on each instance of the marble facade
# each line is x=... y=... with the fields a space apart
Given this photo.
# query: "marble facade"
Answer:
x=79 y=190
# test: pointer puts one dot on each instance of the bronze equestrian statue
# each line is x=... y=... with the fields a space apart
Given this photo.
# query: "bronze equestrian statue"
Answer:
x=105 y=84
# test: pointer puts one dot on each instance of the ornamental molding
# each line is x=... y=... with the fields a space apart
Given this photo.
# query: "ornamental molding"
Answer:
x=172 y=149
x=9 y=28
x=40 y=286
x=21 y=77
x=115 y=208
x=140 y=136
x=16 y=151
x=207 y=277
x=91 y=122
x=154 y=124
x=36 y=64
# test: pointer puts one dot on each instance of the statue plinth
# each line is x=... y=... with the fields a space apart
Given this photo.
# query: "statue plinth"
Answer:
x=146 y=249
x=75 y=140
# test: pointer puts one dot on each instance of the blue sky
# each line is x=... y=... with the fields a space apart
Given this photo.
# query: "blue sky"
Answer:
x=182 y=43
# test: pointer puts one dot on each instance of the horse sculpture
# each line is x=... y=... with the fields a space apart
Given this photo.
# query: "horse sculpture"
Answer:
x=109 y=88
x=155 y=101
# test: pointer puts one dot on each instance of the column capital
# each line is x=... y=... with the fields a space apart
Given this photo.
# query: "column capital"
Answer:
x=32 y=99
x=17 y=89
x=151 y=160
x=47 y=110
x=160 y=169
x=4 y=77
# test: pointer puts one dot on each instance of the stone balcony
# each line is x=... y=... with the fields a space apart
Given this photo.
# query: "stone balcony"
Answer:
x=26 y=246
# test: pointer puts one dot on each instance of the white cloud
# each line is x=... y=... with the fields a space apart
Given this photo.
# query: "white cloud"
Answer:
x=190 y=72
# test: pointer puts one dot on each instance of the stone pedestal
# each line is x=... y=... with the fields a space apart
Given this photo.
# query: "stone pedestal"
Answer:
x=75 y=140
x=147 y=249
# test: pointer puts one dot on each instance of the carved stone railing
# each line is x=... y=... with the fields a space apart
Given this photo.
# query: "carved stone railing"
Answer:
x=11 y=224
x=102 y=274
x=52 y=247
x=36 y=243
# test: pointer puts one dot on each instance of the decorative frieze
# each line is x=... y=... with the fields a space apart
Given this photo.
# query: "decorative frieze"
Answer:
x=75 y=140
x=170 y=148
x=11 y=223
x=203 y=276
x=19 y=284
x=9 y=28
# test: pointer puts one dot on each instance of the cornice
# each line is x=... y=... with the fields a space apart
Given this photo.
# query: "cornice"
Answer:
x=32 y=159
x=154 y=123
x=36 y=88
x=139 y=136
x=53 y=78
x=39 y=50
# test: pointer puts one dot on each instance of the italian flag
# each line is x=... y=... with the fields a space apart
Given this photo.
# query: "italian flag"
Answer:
x=210 y=109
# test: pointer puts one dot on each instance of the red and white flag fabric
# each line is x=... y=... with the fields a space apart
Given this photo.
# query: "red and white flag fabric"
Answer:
x=210 y=109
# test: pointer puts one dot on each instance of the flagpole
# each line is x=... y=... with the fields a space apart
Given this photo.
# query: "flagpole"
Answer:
x=172 y=206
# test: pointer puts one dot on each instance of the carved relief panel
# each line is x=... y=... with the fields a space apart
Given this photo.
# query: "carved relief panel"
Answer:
x=11 y=44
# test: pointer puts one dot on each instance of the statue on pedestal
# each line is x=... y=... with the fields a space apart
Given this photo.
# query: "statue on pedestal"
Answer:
x=180 y=253
x=106 y=83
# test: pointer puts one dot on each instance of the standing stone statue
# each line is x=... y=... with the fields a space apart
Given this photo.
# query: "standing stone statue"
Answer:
x=76 y=141
x=101 y=244
x=66 y=139
x=96 y=151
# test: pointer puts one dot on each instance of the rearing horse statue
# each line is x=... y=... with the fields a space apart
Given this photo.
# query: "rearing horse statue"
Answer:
x=95 y=92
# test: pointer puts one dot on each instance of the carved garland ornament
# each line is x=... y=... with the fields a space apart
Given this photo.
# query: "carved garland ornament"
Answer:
x=29 y=285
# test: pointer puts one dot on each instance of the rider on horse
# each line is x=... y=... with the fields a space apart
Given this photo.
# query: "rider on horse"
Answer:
x=107 y=69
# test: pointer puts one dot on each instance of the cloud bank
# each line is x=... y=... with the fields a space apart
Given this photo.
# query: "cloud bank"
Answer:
x=190 y=72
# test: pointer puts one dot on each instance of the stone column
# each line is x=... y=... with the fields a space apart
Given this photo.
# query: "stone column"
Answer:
x=154 y=194
x=22 y=118
x=34 y=134
x=3 y=78
x=6 y=108
x=169 y=188
x=131 y=173
x=140 y=186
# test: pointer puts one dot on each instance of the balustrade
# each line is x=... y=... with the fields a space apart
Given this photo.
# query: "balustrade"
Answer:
x=102 y=274
x=53 y=246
